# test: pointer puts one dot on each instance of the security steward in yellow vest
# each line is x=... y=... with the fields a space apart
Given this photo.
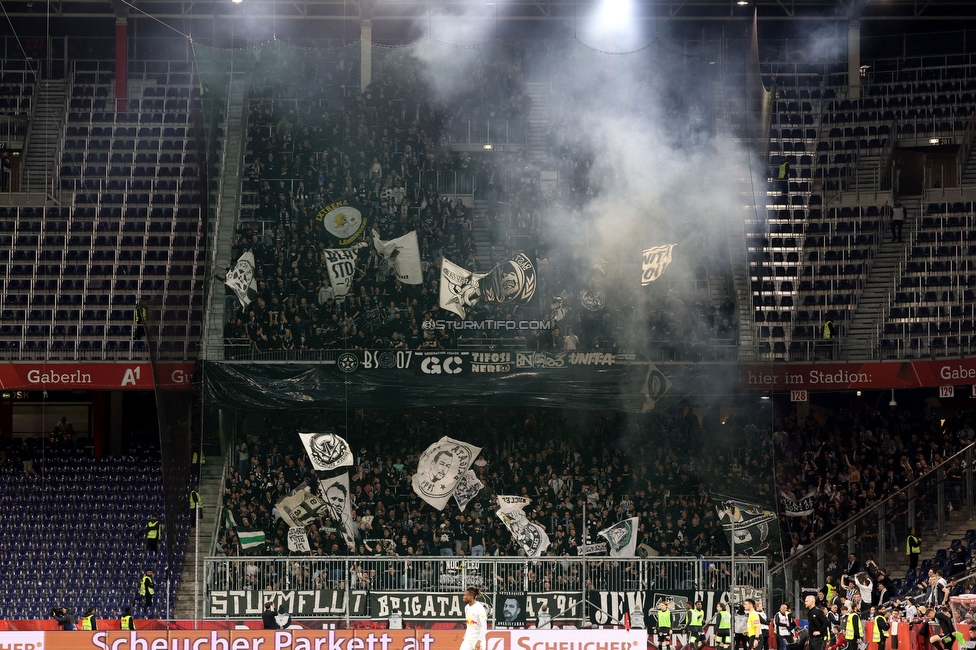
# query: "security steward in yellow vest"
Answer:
x=696 y=621
x=829 y=590
x=852 y=628
x=723 y=629
x=663 y=627
x=126 y=622
x=913 y=548
x=147 y=588
x=88 y=621
x=152 y=534
x=195 y=506
x=881 y=630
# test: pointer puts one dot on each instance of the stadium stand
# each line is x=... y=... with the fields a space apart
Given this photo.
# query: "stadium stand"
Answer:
x=55 y=539
x=303 y=154
x=130 y=235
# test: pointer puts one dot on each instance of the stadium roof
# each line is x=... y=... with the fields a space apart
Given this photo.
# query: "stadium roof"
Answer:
x=507 y=10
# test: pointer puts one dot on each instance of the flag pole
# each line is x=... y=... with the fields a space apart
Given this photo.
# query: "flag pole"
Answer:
x=732 y=542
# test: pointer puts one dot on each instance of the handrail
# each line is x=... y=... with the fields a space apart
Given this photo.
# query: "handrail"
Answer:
x=845 y=526
x=220 y=503
x=965 y=146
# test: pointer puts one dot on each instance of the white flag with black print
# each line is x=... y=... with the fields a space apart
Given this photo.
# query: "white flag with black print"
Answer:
x=459 y=288
x=241 y=278
x=441 y=468
x=654 y=261
x=404 y=255
x=338 y=499
x=530 y=536
x=341 y=265
x=298 y=540
x=327 y=451
x=467 y=489
x=622 y=537
x=300 y=509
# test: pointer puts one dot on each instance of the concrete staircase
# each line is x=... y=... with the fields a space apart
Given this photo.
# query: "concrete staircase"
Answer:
x=538 y=121
x=740 y=209
x=969 y=171
x=229 y=193
x=211 y=492
x=897 y=562
x=44 y=137
x=859 y=341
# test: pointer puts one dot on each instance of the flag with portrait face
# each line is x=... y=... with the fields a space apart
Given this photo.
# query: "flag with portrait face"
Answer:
x=467 y=489
x=441 y=469
x=339 y=505
x=530 y=536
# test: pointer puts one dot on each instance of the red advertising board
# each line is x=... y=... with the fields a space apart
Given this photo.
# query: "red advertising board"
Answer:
x=854 y=376
x=92 y=376
x=323 y=640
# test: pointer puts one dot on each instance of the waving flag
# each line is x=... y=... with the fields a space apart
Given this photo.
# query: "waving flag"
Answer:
x=327 y=451
x=404 y=255
x=530 y=536
x=339 y=504
x=441 y=469
x=654 y=261
x=467 y=489
x=241 y=277
x=622 y=537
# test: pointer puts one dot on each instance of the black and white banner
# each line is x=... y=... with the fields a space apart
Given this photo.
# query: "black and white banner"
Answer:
x=609 y=607
x=530 y=536
x=441 y=469
x=412 y=605
x=512 y=281
x=459 y=288
x=338 y=500
x=299 y=603
x=298 y=540
x=599 y=548
x=241 y=278
x=403 y=255
x=341 y=265
x=300 y=509
x=622 y=537
x=654 y=261
x=467 y=489
x=749 y=526
x=799 y=507
x=326 y=450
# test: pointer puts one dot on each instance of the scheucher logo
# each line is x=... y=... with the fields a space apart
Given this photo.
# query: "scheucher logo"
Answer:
x=21 y=641
x=497 y=641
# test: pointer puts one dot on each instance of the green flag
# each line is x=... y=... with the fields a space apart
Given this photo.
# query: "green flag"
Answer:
x=250 y=538
x=229 y=519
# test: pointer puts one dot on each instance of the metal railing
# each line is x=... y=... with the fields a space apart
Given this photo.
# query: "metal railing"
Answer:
x=878 y=532
x=487 y=132
x=577 y=577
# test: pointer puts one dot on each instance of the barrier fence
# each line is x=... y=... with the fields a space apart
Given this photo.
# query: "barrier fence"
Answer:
x=575 y=590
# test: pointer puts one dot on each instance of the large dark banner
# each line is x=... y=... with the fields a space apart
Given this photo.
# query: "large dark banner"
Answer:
x=314 y=602
x=609 y=607
x=417 y=605
x=413 y=379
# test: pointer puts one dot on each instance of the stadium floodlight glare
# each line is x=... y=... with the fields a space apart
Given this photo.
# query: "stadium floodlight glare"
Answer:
x=237 y=2
x=614 y=26
x=743 y=3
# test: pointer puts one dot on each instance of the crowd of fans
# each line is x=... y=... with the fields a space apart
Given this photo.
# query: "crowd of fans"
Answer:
x=586 y=473
x=384 y=149
x=849 y=460
x=564 y=463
